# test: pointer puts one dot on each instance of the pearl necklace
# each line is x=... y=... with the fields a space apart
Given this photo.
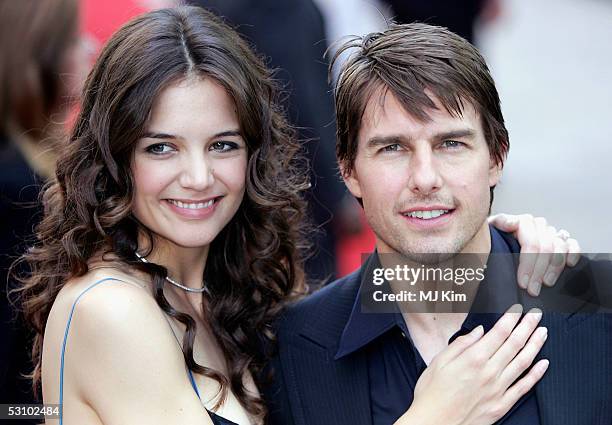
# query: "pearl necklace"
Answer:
x=177 y=284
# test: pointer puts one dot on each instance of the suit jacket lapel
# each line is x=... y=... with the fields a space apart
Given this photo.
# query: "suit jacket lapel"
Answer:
x=338 y=391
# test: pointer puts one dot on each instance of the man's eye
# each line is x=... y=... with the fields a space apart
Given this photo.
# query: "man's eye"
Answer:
x=159 y=148
x=391 y=148
x=452 y=144
x=223 y=146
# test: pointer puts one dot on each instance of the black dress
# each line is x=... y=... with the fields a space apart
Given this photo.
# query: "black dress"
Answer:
x=218 y=420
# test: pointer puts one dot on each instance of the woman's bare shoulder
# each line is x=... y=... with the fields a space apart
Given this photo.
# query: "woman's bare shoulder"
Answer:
x=107 y=295
x=129 y=363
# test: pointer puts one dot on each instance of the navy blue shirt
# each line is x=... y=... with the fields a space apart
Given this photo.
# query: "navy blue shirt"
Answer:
x=394 y=363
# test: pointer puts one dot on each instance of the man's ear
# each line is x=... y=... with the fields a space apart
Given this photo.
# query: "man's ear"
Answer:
x=351 y=180
x=495 y=172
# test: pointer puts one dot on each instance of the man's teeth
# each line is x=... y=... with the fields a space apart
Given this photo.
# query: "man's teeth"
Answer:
x=426 y=215
x=192 y=205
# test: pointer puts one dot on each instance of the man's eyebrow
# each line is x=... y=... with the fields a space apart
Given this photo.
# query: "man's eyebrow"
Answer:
x=156 y=135
x=385 y=140
x=456 y=134
x=397 y=138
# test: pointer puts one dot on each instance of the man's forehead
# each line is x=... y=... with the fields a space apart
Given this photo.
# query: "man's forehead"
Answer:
x=384 y=108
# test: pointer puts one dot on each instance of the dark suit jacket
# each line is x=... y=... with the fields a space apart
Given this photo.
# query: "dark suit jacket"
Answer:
x=311 y=388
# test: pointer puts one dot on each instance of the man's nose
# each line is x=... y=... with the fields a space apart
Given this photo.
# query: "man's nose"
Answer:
x=197 y=173
x=424 y=173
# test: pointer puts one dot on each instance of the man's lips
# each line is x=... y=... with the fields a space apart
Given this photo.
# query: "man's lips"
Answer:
x=428 y=217
x=429 y=212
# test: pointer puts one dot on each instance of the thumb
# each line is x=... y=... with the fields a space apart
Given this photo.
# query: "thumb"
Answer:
x=505 y=222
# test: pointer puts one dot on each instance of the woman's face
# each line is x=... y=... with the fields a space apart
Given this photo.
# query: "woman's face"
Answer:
x=189 y=167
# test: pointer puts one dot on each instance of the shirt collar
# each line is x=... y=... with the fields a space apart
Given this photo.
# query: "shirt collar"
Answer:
x=362 y=328
x=496 y=293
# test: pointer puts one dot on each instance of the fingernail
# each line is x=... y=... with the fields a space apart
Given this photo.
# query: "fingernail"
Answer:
x=549 y=279
x=543 y=333
x=524 y=281
x=515 y=308
x=537 y=314
x=557 y=259
x=478 y=331
x=544 y=365
x=572 y=259
x=534 y=289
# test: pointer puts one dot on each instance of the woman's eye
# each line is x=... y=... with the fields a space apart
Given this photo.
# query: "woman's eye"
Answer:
x=452 y=144
x=223 y=146
x=159 y=148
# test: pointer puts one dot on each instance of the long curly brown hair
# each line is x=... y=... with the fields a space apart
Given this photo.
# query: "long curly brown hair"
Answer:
x=254 y=264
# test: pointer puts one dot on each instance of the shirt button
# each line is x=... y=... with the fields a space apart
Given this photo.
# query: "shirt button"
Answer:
x=403 y=334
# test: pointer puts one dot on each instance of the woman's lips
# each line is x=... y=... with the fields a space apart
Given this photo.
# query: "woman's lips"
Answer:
x=193 y=209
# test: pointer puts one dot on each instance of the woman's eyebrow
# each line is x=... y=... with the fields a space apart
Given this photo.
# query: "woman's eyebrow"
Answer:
x=158 y=135
x=228 y=133
x=154 y=135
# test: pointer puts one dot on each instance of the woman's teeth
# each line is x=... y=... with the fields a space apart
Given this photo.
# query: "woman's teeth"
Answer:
x=192 y=205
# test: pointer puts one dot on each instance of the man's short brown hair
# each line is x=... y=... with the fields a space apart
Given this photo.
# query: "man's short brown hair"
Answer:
x=408 y=60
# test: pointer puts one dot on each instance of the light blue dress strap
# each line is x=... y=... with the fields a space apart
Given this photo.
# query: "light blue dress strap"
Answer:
x=191 y=378
x=193 y=383
x=61 y=394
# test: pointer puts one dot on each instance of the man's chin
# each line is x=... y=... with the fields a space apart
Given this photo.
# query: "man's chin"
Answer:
x=428 y=258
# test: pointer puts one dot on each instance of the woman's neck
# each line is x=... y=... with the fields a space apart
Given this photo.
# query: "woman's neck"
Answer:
x=185 y=265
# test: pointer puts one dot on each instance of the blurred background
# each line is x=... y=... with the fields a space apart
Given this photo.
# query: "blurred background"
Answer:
x=551 y=60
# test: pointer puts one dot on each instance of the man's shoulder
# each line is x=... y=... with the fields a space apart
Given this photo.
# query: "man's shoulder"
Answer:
x=590 y=280
x=504 y=241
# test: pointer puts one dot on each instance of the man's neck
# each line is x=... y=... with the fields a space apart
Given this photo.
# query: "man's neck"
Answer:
x=431 y=325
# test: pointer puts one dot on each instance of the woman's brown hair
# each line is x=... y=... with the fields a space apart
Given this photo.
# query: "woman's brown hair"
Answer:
x=254 y=264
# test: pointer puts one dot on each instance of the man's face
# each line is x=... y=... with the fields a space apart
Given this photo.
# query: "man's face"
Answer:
x=424 y=185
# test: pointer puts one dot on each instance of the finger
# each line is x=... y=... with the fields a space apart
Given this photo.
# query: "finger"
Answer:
x=535 y=282
x=505 y=222
x=574 y=252
x=517 y=340
x=557 y=263
x=519 y=389
x=525 y=357
x=460 y=344
x=492 y=340
x=546 y=237
x=527 y=238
